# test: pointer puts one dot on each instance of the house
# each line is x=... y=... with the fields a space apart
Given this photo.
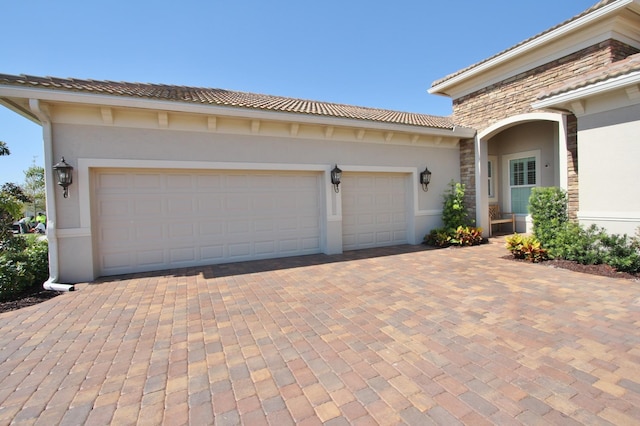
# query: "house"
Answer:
x=171 y=176
x=559 y=109
x=168 y=176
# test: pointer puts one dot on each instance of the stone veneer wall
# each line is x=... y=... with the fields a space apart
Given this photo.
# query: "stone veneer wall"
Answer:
x=468 y=174
x=515 y=95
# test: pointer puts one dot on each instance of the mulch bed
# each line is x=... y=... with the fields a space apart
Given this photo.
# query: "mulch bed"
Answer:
x=27 y=300
x=601 y=270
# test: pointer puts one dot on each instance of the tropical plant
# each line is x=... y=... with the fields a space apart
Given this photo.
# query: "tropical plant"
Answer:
x=525 y=247
x=457 y=229
x=454 y=211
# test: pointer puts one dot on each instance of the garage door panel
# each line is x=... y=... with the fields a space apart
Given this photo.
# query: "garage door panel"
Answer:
x=208 y=181
x=150 y=258
x=181 y=230
x=145 y=207
x=179 y=182
x=311 y=243
x=183 y=254
x=147 y=232
x=374 y=210
x=212 y=253
x=180 y=206
x=116 y=261
x=211 y=228
x=162 y=219
x=264 y=247
x=146 y=182
x=239 y=250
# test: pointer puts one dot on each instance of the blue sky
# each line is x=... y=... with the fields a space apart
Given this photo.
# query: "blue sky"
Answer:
x=371 y=53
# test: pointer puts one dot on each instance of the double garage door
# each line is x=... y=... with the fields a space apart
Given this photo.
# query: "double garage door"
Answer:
x=151 y=220
x=148 y=220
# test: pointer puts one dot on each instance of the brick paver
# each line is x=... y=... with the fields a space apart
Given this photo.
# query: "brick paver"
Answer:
x=401 y=335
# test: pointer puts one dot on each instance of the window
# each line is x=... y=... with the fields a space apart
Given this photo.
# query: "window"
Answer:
x=492 y=173
x=522 y=177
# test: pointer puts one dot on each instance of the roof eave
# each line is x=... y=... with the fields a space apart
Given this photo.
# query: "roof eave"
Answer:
x=444 y=88
x=561 y=100
x=55 y=95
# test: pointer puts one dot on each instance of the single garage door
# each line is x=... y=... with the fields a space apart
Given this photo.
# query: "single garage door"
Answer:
x=373 y=210
x=158 y=219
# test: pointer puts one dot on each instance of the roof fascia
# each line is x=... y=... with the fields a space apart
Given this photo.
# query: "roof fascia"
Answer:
x=556 y=34
x=596 y=89
x=59 y=96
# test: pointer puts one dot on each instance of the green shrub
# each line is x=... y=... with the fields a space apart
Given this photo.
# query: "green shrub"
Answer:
x=457 y=229
x=454 y=211
x=594 y=246
x=24 y=266
x=526 y=247
x=621 y=253
x=549 y=212
x=38 y=257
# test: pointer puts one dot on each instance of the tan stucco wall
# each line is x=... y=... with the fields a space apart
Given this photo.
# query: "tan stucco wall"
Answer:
x=609 y=149
x=187 y=139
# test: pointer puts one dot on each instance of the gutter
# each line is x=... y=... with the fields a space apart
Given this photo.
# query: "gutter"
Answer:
x=51 y=283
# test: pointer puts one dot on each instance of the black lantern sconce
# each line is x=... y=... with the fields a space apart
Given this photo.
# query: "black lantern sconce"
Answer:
x=64 y=175
x=336 y=175
x=425 y=178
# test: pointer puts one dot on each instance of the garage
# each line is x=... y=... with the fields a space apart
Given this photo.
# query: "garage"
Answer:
x=148 y=220
x=374 y=210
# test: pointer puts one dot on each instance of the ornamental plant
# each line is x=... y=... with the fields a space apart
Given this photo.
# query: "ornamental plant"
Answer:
x=525 y=247
x=457 y=229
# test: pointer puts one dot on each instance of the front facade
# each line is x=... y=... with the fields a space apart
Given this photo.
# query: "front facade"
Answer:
x=523 y=142
x=177 y=177
x=169 y=176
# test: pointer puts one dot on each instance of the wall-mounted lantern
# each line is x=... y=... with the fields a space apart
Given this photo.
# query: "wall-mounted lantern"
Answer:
x=336 y=175
x=425 y=178
x=64 y=175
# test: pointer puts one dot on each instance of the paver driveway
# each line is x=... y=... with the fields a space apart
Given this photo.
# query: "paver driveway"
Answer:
x=389 y=336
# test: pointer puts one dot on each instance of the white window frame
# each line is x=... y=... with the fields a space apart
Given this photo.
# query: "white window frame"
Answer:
x=492 y=177
x=506 y=176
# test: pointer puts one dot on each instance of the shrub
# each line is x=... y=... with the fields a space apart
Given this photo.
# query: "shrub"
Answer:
x=526 y=247
x=467 y=236
x=457 y=229
x=454 y=212
x=438 y=237
x=594 y=246
x=38 y=257
x=549 y=212
x=620 y=253
x=24 y=266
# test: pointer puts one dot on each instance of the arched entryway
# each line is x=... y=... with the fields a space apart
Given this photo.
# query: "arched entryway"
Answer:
x=514 y=155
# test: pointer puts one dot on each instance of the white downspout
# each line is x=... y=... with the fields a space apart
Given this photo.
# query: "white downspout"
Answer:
x=52 y=282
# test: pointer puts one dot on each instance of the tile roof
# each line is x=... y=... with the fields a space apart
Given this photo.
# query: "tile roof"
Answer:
x=614 y=70
x=593 y=8
x=228 y=98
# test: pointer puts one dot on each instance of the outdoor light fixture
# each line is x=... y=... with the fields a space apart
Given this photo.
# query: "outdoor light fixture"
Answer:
x=336 y=175
x=425 y=178
x=64 y=175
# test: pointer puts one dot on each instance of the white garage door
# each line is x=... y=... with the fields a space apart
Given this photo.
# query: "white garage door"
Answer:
x=373 y=210
x=159 y=219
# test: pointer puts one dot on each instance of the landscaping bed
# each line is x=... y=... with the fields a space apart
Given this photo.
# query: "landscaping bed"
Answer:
x=28 y=299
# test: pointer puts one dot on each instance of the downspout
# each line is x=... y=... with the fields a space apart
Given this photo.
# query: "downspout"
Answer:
x=52 y=283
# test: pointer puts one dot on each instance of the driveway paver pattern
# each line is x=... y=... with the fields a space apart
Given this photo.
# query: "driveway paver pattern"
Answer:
x=401 y=335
